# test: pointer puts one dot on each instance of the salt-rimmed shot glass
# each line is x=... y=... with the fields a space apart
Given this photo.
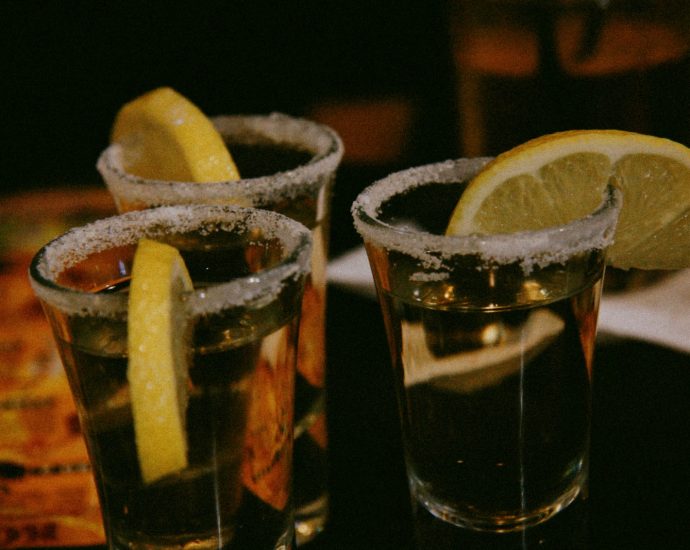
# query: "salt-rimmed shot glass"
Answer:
x=491 y=340
x=288 y=165
x=249 y=269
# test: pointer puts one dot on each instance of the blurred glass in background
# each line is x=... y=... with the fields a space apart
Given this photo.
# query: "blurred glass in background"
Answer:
x=530 y=67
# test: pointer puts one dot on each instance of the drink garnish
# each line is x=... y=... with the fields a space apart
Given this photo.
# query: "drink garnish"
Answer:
x=558 y=178
x=164 y=136
x=158 y=349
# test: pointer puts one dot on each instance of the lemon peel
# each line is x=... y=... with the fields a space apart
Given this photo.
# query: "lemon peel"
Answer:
x=558 y=178
x=164 y=136
x=158 y=346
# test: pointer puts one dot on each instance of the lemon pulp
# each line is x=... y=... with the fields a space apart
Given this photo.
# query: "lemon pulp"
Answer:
x=558 y=178
x=164 y=136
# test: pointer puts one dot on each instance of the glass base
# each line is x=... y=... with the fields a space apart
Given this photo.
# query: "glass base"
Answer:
x=310 y=519
x=499 y=522
x=567 y=530
x=171 y=543
x=228 y=540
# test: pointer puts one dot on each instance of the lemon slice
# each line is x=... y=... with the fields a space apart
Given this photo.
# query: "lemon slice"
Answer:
x=158 y=353
x=166 y=137
x=560 y=177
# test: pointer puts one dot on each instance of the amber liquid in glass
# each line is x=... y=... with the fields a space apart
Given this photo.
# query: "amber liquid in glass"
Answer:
x=310 y=462
x=235 y=492
x=493 y=368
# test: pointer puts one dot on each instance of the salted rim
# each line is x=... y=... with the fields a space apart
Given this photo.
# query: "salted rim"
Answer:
x=318 y=139
x=256 y=289
x=528 y=248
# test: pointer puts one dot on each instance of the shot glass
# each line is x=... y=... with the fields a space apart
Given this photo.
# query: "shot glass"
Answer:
x=288 y=165
x=248 y=267
x=491 y=340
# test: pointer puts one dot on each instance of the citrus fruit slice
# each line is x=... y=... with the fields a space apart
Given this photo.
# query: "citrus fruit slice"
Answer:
x=560 y=177
x=166 y=137
x=158 y=347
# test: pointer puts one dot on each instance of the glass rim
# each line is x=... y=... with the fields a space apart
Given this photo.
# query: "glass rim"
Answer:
x=529 y=248
x=320 y=140
x=255 y=289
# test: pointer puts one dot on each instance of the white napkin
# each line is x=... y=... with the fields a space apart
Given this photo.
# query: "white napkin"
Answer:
x=351 y=271
x=659 y=313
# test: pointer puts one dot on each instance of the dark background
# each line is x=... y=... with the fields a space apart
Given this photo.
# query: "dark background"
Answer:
x=67 y=67
x=381 y=72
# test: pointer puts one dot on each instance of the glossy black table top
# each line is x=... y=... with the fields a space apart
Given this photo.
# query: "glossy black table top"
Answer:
x=640 y=458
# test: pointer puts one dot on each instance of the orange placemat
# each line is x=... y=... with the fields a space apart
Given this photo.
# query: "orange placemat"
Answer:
x=47 y=493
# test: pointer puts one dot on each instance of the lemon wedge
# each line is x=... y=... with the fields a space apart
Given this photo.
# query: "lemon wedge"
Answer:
x=164 y=136
x=560 y=177
x=158 y=347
